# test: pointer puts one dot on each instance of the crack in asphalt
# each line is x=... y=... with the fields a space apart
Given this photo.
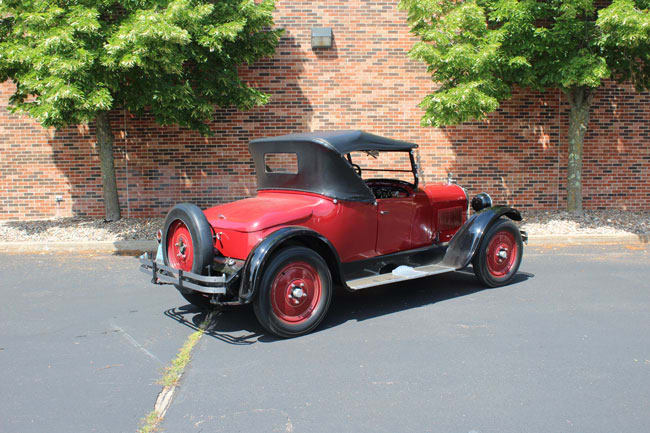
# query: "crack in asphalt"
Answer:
x=152 y=420
x=134 y=342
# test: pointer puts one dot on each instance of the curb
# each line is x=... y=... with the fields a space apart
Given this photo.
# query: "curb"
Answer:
x=138 y=247
x=626 y=239
x=113 y=247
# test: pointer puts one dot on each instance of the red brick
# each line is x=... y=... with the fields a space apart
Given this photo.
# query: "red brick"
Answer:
x=365 y=81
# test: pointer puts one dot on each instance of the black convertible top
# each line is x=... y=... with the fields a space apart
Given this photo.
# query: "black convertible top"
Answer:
x=322 y=167
x=344 y=141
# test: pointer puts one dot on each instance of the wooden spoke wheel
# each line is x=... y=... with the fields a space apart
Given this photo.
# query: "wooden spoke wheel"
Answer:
x=187 y=245
x=295 y=292
x=498 y=257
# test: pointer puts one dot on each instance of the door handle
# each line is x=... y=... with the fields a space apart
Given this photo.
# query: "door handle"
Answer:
x=384 y=212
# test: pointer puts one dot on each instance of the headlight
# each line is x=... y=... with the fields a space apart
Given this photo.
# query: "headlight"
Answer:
x=481 y=201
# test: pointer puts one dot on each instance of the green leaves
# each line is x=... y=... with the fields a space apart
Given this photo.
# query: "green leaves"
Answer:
x=458 y=104
x=48 y=51
x=176 y=58
x=583 y=69
x=83 y=19
x=477 y=50
x=463 y=55
x=625 y=40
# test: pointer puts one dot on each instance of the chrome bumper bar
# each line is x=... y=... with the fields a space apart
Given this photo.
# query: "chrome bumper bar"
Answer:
x=162 y=274
x=524 y=236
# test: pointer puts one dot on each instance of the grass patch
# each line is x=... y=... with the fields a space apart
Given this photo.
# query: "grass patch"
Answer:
x=150 y=423
x=171 y=375
x=174 y=372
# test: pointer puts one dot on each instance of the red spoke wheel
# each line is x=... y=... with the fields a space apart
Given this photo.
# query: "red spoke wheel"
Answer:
x=501 y=253
x=295 y=292
x=498 y=258
x=187 y=245
x=180 y=250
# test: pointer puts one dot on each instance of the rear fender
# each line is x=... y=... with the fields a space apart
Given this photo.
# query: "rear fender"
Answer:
x=260 y=255
x=465 y=242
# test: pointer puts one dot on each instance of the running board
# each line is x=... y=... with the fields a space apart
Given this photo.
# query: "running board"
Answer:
x=406 y=274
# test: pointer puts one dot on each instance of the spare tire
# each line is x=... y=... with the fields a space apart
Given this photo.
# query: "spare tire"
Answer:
x=187 y=239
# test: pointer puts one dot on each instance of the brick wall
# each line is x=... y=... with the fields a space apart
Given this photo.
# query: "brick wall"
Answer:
x=365 y=81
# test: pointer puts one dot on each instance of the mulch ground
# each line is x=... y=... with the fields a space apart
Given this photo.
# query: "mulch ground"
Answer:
x=609 y=222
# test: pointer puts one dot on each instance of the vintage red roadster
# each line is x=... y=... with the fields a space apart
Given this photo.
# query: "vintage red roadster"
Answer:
x=317 y=222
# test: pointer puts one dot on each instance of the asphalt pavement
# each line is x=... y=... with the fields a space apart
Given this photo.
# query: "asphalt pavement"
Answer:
x=566 y=348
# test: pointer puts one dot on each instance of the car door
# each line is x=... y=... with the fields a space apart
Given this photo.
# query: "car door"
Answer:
x=394 y=220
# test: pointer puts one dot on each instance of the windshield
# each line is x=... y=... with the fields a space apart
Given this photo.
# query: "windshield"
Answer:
x=383 y=165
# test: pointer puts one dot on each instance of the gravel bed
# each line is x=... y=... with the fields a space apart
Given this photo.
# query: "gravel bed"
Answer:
x=593 y=222
x=535 y=222
x=80 y=229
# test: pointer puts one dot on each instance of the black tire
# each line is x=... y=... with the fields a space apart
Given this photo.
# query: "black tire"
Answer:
x=197 y=299
x=267 y=308
x=496 y=271
x=203 y=250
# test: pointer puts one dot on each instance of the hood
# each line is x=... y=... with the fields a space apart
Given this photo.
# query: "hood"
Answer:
x=261 y=212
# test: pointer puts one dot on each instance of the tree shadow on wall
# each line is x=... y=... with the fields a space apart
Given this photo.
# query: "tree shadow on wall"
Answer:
x=157 y=167
x=513 y=155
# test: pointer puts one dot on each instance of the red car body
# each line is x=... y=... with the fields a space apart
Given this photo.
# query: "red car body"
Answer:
x=436 y=211
x=316 y=221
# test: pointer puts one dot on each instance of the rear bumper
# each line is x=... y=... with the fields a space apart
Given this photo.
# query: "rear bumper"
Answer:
x=524 y=236
x=161 y=274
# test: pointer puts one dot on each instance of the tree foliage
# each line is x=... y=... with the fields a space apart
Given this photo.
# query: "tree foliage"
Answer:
x=479 y=49
x=74 y=60
x=71 y=59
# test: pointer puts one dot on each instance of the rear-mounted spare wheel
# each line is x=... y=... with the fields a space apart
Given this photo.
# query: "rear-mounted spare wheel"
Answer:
x=187 y=245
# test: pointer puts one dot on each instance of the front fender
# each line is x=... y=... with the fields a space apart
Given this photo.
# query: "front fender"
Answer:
x=259 y=256
x=465 y=242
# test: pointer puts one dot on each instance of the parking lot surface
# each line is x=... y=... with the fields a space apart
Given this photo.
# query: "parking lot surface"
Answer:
x=83 y=341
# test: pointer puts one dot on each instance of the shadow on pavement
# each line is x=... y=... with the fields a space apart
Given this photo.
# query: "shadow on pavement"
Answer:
x=237 y=325
x=233 y=324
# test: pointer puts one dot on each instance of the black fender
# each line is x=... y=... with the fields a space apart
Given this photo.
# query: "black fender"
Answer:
x=259 y=256
x=465 y=242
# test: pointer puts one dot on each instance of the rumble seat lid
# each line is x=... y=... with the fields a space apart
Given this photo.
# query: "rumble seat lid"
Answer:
x=262 y=212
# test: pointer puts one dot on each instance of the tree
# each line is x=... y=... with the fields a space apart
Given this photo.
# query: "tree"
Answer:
x=73 y=61
x=479 y=49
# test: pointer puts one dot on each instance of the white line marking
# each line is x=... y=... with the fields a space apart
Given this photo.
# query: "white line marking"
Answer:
x=134 y=343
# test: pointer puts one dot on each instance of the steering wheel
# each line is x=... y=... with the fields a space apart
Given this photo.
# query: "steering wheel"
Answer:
x=356 y=168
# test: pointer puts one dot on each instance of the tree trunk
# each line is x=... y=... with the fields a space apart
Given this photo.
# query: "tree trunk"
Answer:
x=109 y=185
x=580 y=99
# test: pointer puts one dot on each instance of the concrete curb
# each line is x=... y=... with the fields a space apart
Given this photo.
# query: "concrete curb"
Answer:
x=626 y=239
x=138 y=247
x=113 y=247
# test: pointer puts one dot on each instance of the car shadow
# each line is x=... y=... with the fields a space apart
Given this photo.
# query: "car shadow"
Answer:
x=234 y=325
x=237 y=325
x=392 y=298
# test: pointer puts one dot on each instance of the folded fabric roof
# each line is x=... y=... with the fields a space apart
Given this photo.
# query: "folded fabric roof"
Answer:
x=343 y=142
